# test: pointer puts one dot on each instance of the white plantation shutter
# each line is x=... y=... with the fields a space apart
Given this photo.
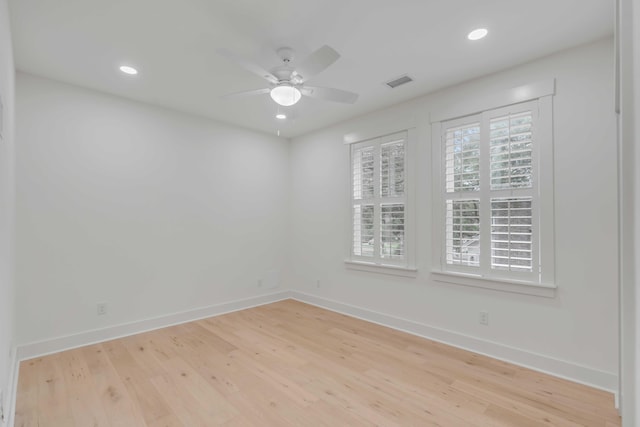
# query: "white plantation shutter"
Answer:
x=462 y=246
x=363 y=173
x=511 y=151
x=462 y=158
x=392 y=231
x=378 y=169
x=511 y=189
x=363 y=230
x=511 y=234
x=462 y=162
x=363 y=192
x=392 y=169
x=489 y=192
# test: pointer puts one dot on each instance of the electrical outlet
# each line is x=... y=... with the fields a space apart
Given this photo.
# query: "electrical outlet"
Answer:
x=102 y=308
x=318 y=283
x=259 y=283
x=484 y=318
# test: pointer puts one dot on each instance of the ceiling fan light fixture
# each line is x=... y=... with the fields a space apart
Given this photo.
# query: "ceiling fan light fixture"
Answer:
x=285 y=95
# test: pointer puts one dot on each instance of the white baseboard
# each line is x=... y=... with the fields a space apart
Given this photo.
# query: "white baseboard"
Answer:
x=560 y=368
x=55 y=345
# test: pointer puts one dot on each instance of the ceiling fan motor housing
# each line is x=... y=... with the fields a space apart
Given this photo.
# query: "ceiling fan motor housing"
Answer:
x=286 y=54
x=283 y=73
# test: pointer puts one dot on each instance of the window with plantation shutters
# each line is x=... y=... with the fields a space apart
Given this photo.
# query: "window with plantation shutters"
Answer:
x=379 y=201
x=489 y=214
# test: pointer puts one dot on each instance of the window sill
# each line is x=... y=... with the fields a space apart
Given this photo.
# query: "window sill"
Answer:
x=381 y=269
x=527 y=288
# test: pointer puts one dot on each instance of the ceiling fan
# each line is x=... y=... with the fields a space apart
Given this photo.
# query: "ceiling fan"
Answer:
x=287 y=83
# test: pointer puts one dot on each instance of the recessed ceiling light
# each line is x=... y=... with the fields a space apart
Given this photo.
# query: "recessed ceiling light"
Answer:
x=281 y=116
x=477 y=34
x=128 y=70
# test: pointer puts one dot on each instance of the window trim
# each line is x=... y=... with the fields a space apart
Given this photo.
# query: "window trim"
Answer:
x=496 y=99
x=392 y=270
x=542 y=92
x=408 y=267
x=505 y=285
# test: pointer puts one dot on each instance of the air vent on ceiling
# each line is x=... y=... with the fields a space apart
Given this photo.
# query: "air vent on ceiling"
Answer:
x=399 y=81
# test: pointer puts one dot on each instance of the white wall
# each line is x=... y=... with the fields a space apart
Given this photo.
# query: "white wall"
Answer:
x=634 y=397
x=631 y=414
x=628 y=31
x=7 y=184
x=151 y=211
x=579 y=325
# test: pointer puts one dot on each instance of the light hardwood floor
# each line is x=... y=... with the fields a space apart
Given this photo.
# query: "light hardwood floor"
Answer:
x=292 y=364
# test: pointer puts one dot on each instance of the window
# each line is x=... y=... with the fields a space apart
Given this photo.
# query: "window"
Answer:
x=492 y=193
x=379 y=202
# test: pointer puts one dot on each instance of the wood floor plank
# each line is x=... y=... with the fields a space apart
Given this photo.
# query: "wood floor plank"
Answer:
x=345 y=398
x=444 y=398
x=54 y=403
x=136 y=379
x=86 y=405
x=292 y=364
x=531 y=411
x=522 y=400
x=27 y=413
x=112 y=392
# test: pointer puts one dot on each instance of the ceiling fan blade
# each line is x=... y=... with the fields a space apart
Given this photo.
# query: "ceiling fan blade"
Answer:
x=330 y=94
x=248 y=65
x=316 y=62
x=246 y=93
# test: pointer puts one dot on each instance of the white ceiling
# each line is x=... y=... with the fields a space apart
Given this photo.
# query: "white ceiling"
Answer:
x=173 y=44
